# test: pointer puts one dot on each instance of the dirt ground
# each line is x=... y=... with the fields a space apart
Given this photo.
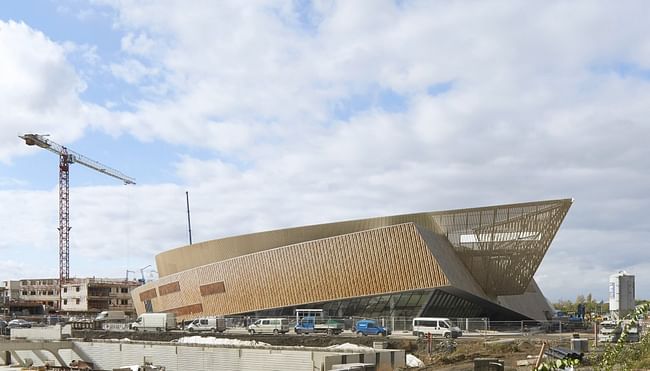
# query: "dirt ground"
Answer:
x=509 y=350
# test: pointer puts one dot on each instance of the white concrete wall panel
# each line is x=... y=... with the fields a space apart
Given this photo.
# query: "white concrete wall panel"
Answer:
x=183 y=358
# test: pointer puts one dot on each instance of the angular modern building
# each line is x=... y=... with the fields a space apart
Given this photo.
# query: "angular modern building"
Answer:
x=475 y=262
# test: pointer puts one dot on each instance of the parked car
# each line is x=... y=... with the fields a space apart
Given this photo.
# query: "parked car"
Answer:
x=19 y=323
x=269 y=325
x=154 y=322
x=436 y=327
x=111 y=316
x=214 y=324
x=370 y=327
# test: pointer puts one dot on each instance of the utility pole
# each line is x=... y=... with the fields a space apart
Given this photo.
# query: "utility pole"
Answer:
x=189 y=225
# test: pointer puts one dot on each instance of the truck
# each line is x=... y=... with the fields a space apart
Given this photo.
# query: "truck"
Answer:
x=214 y=324
x=310 y=325
x=154 y=322
x=610 y=331
x=111 y=315
x=314 y=321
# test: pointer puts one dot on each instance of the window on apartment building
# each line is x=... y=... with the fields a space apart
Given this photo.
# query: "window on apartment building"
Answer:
x=65 y=289
x=77 y=300
x=32 y=292
x=24 y=293
x=124 y=302
x=124 y=290
x=77 y=288
x=51 y=292
x=65 y=301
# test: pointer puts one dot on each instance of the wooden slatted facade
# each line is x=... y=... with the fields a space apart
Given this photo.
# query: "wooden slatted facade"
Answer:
x=500 y=247
x=169 y=288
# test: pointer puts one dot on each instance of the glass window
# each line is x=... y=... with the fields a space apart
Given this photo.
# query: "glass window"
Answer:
x=413 y=301
x=403 y=300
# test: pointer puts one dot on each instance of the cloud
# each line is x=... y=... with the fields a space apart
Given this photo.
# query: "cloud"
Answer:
x=527 y=117
x=39 y=90
x=317 y=112
x=132 y=71
x=139 y=44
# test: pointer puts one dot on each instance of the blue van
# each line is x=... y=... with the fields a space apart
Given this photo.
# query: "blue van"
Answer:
x=370 y=327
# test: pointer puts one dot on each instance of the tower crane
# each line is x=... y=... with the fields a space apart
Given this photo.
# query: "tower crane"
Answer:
x=67 y=157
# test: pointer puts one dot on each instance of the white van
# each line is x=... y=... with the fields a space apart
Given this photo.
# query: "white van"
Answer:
x=154 y=322
x=111 y=315
x=269 y=325
x=213 y=324
x=435 y=327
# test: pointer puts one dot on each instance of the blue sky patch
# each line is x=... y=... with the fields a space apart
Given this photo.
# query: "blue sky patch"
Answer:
x=440 y=88
x=623 y=70
x=383 y=99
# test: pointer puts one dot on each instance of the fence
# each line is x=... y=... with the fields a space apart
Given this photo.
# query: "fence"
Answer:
x=398 y=325
x=469 y=326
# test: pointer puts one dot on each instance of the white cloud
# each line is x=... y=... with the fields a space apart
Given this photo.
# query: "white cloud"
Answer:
x=539 y=106
x=139 y=44
x=39 y=90
x=132 y=71
x=529 y=114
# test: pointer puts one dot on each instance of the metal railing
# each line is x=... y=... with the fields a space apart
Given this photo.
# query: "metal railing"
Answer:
x=469 y=326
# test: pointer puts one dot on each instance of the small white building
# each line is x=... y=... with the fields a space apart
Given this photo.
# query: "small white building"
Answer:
x=621 y=294
x=97 y=294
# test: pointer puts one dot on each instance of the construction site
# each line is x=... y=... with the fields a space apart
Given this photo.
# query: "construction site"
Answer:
x=69 y=347
x=459 y=294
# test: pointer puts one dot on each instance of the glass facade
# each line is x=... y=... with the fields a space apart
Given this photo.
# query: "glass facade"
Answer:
x=421 y=303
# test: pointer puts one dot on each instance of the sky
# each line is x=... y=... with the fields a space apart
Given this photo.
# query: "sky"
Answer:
x=276 y=114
